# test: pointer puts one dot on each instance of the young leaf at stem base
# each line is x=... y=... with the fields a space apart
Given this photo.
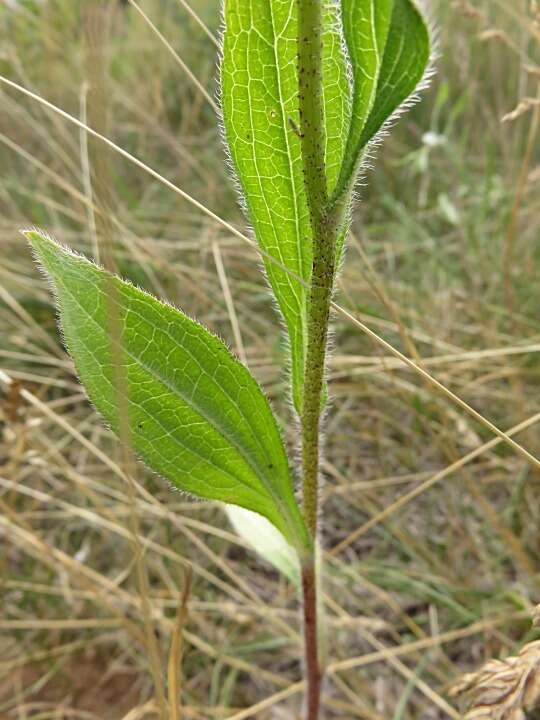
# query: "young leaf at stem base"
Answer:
x=195 y=413
x=266 y=541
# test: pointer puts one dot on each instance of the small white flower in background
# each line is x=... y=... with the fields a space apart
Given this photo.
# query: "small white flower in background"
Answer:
x=432 y=139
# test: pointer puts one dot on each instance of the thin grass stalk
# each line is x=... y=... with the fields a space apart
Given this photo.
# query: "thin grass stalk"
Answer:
x=97 y=22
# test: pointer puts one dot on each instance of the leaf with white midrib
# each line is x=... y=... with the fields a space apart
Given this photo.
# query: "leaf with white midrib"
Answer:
x=259 y=97
x=195 y=413
x=389 y=50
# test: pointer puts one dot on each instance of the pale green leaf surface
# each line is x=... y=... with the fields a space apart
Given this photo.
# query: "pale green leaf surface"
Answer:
x=406 y=57
x=259 y=96
x=265 y=540
x=365 y=27
x=195 y=413
x=336 y=94
x=389 y=49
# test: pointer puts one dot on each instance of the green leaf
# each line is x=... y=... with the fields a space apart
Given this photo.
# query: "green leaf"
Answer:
x=195 y=414
x=389 y=49
x=266 y=541
x=406 y=57
x=365 y=27
x=259 y=97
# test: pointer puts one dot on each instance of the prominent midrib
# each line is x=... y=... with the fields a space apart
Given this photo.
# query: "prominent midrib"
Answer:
x=194 y=406
x=179 y=442
x=356 y=129
x=294 y=191
x=388 y=84
x=296 y=291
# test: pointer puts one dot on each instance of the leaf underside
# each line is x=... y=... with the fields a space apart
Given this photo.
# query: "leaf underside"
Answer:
x=389 y=49
x=194 y=412
x=387 y=43
x=259 y=94
x=266 y=541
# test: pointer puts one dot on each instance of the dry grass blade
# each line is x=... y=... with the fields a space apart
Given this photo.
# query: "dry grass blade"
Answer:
x=229 y=303
x=143 y=711
x=254 y=710
x=199 y=22
x=204 y=92
x=524 y=106
x=428 y=642
x=437 y=477
x=176 y=652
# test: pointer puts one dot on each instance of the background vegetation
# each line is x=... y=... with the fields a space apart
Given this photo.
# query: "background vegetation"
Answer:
x=433 y=549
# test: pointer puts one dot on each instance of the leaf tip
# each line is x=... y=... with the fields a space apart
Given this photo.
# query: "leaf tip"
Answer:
x=35 y=235
x=48 y=252
x=39 y=241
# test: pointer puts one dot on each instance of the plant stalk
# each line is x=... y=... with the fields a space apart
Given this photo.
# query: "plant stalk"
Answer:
x=314 y=378
x=313 y=671
x=324 y=232
x=322 y=280
x=324 y=226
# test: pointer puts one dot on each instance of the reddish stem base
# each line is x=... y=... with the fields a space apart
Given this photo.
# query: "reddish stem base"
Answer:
x=311 y=650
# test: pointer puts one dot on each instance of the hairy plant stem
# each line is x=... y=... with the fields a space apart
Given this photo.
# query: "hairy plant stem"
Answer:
x=313 y=670
x=323 y=246
x=324 y=225
x=322 y=280
x=318 y=320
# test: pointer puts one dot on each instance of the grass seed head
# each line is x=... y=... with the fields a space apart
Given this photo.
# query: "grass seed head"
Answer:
x=504 y=689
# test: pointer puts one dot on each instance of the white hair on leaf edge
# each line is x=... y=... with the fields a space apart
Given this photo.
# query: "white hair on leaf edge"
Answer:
x=370 y=151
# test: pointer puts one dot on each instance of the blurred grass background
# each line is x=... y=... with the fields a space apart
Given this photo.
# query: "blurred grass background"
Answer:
x=443 y=263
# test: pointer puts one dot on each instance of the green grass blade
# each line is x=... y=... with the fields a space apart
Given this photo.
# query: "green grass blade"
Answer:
x=259 y=95
x=195 y=413
x=389 y=49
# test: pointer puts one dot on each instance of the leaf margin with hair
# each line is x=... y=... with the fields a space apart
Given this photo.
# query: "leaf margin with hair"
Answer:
x=274 y=198
x=245 y=454
x=402 y=53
